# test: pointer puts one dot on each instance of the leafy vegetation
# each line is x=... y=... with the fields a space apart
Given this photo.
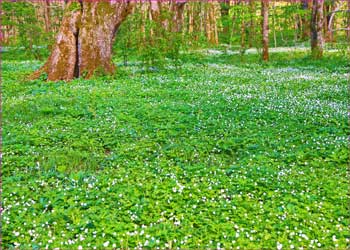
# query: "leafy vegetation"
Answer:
x=216 y=153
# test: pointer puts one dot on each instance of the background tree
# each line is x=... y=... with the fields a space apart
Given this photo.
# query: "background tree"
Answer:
x=348 y=22
x=265 y=29
x=317 y=29
x=252 y=33
x=47 y=15
x=305 y=19
x=159 y=30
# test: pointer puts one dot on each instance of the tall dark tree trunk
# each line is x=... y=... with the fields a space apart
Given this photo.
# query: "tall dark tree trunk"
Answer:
x=84 y=42
x=316 y=29
x=265 y=29
x=328 y=24
x=305 y=20
x=178 y=12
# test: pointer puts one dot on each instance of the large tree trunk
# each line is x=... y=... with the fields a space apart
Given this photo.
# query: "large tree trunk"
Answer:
x=84 y=43
x=265 y=29
x=316 y=29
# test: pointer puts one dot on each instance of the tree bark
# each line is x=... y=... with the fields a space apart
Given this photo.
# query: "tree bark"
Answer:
x=251 y=23
x=348 y=22
x=84 y=43
x=305 y=20
x=274 y=23
x=178 y=18
x=265 y=29
x=191 y=19
x=328 y=25
x=47 y=15
x=316 y=29
x=210 y=19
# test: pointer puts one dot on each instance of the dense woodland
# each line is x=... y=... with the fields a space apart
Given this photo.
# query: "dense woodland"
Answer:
x=175 y=124
x=158 y=29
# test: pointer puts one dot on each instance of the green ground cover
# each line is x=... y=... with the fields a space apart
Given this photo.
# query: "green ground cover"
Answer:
x=214 y=153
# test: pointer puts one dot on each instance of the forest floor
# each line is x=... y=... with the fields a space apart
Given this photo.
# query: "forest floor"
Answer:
x=215 y=153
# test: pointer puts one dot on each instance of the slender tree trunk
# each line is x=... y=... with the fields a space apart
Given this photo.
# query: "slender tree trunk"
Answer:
x=154 y=16
x=84 y=42
x=13 y=28
x=143 y=19
x=191 y=19
x=243 y=35
x=251 y=23
x=326 y=10
x=217 y=16
x=305 y=20
x=210 y=20
x=206 y=20
x=213 y=15
x=198 y=20
x=156 y=11
x=177 y=10
x=328 y=29
x=316 y=29
x=348 y=22
x=274 y=23
x=178 y=18
x=47 y=12
x=265 y=29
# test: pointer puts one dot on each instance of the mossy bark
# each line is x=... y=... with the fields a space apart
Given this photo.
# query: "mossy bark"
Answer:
x=84 y=44
x=61 y=65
